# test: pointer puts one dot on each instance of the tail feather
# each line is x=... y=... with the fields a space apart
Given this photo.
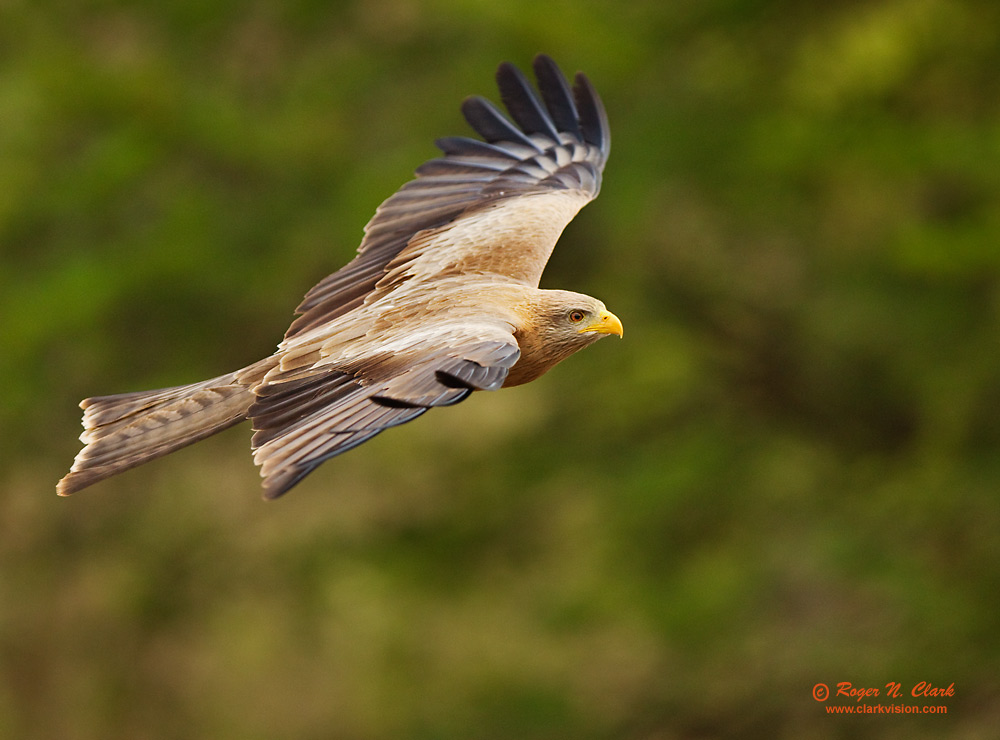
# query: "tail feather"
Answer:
x=126 y=430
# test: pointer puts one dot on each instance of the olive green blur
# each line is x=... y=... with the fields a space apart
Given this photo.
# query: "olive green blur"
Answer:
x=787 y=473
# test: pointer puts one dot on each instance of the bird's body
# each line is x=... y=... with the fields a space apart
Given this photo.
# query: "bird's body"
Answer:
x=441 y=300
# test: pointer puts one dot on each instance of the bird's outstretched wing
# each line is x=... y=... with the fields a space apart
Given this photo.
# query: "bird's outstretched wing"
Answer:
x=495 y=206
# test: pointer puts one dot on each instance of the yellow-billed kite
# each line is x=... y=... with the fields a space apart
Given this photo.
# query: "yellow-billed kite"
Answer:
x=441 y=300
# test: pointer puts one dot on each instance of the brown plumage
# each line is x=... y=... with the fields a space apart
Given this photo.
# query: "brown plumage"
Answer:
x=441 y=300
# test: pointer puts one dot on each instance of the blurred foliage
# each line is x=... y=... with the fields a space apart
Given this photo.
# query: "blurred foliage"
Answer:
x=786 y=474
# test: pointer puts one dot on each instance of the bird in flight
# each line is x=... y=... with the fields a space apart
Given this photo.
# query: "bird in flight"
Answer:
x=441 y=300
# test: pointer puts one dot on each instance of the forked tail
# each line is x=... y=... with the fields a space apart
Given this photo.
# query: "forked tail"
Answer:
x=129 y=429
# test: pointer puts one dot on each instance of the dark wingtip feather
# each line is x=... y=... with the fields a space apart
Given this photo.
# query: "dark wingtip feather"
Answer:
x=522 y=102
x=593 y=118
x=490 y=123
x=557 y=94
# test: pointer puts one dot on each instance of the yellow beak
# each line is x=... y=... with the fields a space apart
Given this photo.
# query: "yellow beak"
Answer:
x=607 y=323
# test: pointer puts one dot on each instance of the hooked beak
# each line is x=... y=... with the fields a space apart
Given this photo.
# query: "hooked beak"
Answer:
x=607 y=323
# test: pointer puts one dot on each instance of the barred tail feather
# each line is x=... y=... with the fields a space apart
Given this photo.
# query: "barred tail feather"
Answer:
x=126 y=430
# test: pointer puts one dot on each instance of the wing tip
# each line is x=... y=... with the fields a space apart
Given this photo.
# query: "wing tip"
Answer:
x=577 y=110
x=594 y=124
x=272 y=492
x=76 y=480
x=544 y=65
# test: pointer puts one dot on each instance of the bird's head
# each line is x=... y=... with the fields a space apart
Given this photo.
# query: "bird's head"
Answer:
x=559 y=323
x=574 y=320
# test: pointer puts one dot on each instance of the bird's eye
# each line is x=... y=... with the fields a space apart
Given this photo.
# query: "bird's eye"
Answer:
x=576 y=316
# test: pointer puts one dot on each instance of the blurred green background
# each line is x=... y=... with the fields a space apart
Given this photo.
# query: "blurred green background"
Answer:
x=786 y=474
